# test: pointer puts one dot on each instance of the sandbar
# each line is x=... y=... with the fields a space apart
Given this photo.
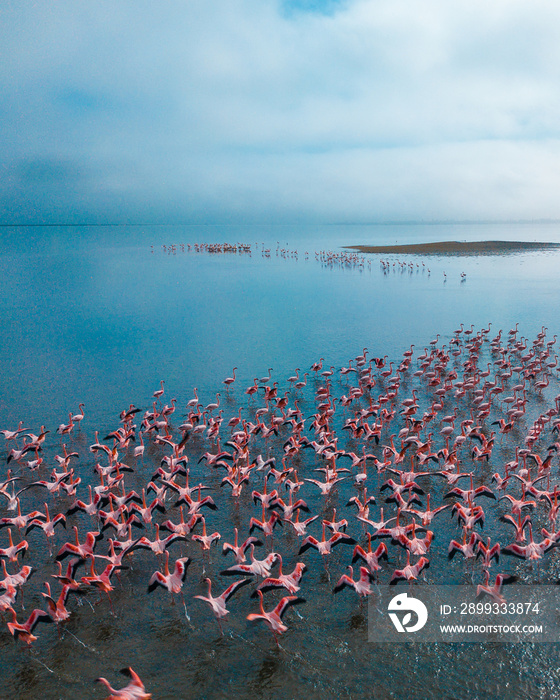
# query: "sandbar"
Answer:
x=457 y=248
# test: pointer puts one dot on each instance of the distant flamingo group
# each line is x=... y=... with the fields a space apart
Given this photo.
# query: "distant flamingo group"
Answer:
x=345 y=259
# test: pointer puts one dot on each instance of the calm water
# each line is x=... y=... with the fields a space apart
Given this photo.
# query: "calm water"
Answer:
x=100 y=315
x=91 y=314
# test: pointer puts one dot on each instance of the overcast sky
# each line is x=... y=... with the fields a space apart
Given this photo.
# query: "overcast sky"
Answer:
x=263 y=110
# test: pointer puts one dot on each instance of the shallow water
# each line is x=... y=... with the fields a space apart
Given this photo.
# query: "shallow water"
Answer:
x=100 y=315
x=94 y=313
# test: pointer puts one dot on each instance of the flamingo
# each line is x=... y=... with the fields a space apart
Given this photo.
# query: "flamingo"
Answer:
x=24 y=631
x=288 y=509
x=257 y=567
x=336 y=525
x=301 y=527
x=8 y=598
x=325 y=487
x=169 y=410
x=13 y=434
x=193 y=402
x=79 y=417
x=182 y=527
x=324 y=547
x=495 y=591
x=158 y=545
x=469 y=516
x=379 y=525
x=363 y=505
x=467 y=548
x=47 y=525
x=129 y=413
x=135 y=690
x=295 y=377
x=213 y=406
x=20 y=521
x=17 y=579
x=274 y=618
x=416 y=545
x=228 y=381
x=18 y=454
x=409 y=572
x=303 y=383
x=145 y=510
x=488 y=553
x=65 y=429
x=12 y=551
x=250 y=391
x=317 y=366
x=288 y=581
x=370 y=557
x=235 y=420
x=173 y=582
x=52 y=486
x=265 y=380
x=518 y=524
x=267 y=526
x=361 y=586
x=38 y=440
x=80 y=550
x=12 y=497
x=265 y=497
x=139 y=449
x=101 y=581
x=90 y=508
x=57 y=608
x=239 y=550
x=157 y=394
x=427 y=515
x=205 y=540
x=532 y=551
x=218 y=603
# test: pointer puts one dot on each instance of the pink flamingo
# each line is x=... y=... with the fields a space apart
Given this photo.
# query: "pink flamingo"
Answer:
x=229 y=380
x=274 y=618
x=218 y=603
x=135 y=690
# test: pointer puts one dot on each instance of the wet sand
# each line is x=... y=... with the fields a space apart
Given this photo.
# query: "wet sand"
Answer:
x=458 y=248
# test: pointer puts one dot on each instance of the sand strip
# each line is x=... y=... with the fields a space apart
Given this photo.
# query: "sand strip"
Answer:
x=457 y=248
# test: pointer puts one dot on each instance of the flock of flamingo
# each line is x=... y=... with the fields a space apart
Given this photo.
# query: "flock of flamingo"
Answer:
x=328 y=258
x=372 y=472
x=344 y=259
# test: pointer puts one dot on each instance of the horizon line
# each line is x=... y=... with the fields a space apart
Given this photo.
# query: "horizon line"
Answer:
x=412 y=222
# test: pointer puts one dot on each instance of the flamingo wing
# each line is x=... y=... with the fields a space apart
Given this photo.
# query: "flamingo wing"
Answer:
x=230 y=590
x=285 y=603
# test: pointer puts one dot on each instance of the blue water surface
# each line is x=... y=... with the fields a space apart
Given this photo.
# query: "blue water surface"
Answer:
x=100 y=315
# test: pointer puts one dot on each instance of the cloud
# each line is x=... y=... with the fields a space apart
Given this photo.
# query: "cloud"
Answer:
x=279 y=110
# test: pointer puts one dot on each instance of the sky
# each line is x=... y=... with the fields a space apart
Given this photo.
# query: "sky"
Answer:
x=354 y=111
